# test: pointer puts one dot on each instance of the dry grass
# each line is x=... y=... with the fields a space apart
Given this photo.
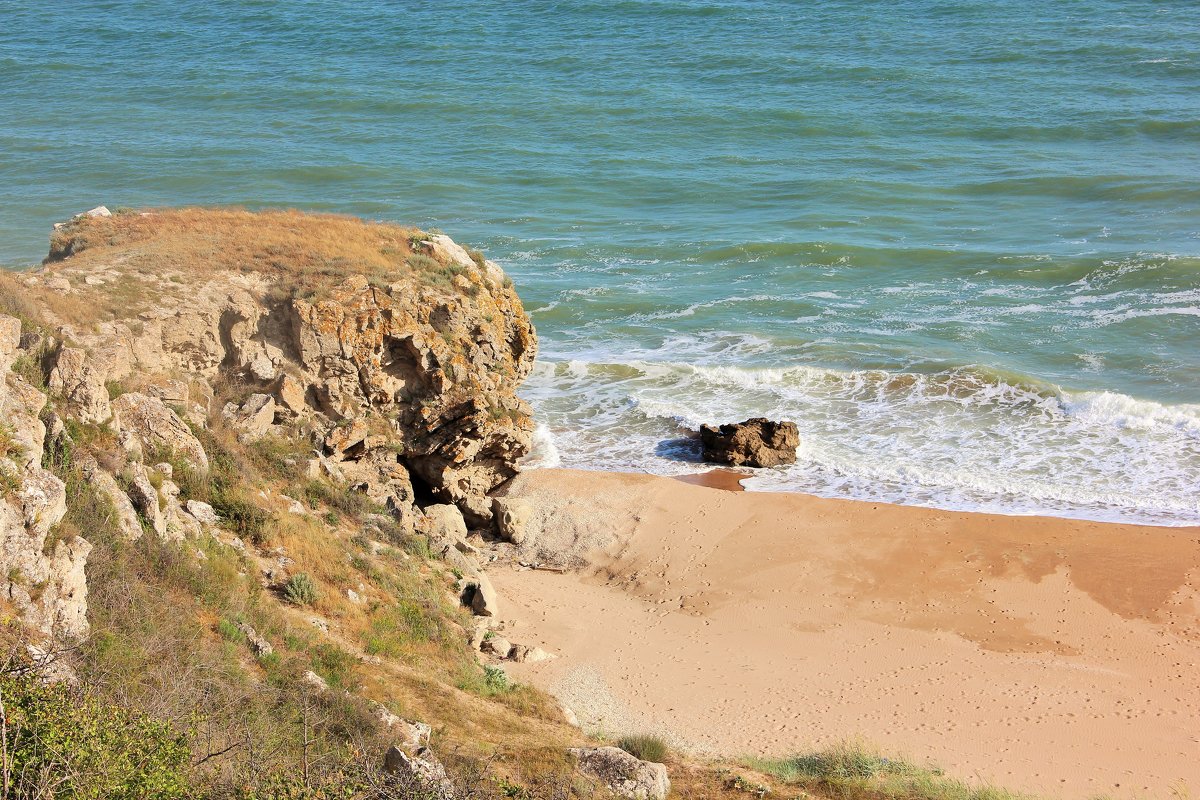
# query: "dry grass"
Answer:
x=171 y=248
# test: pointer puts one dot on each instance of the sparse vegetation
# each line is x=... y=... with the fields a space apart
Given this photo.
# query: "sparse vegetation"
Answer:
x=854 y=770
x=9 y=446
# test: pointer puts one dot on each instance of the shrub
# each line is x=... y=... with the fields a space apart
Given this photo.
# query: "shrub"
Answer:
x=496 y=679
x=63 y=742
x=300 y=589
x=28 y=366
x=645 y=747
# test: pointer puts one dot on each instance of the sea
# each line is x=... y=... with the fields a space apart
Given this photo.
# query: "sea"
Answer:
x=957 y=243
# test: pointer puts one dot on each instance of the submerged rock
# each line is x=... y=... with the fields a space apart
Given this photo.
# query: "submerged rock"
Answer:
x=757 y=442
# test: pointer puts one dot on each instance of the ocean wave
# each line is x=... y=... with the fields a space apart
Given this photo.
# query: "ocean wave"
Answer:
x=972 y=437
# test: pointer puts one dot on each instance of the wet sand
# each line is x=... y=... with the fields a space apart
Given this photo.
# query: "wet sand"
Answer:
x=1045 y=655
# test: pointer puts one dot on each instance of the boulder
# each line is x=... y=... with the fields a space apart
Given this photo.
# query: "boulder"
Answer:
x=80 y=382
x=146 y=500
x=497 y=646
x=529 y=655
x=624 y=775
x=419 y=775
x=290 y=394
x=203 y=512
x=483 y=596
x=757 y=442
x=444 y=525
x=512 y=518
x=476 y=511
x=147 y=425
x=253 y=418
x=126 y=518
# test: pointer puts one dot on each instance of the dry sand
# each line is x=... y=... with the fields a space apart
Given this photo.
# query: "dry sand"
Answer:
x=1038 y=654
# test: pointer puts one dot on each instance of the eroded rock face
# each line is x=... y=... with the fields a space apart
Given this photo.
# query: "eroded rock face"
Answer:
x=402 y=384
x=148 y=427
x=624 y=774
x=415 y=376
x=757 y=442
x=41 y=577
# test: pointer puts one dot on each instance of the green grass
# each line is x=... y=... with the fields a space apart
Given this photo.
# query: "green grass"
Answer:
x=853 y=770
x=645 y=747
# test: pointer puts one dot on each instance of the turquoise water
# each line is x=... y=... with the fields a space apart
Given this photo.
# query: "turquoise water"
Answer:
x=958 y=243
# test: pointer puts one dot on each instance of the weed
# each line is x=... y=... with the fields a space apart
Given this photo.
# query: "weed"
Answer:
x=300 y=589
x=645 y=747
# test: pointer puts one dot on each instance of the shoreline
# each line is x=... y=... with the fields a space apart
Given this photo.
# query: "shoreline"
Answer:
x=1038 y=653
x=715 y=476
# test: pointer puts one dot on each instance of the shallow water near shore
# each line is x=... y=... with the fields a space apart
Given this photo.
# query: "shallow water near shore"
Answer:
x=958 y=244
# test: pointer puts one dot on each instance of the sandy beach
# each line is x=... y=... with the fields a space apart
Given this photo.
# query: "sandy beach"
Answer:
x=1047 y=655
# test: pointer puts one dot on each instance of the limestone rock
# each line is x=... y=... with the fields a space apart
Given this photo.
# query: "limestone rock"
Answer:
x=10 y=341
x=529 y=655
x=315 y=681
x=422 y=773
x=81 y=383
x=290 y=394
x=148 y=425
x=623 y=774
x=497 y=646
x=145 y=499
x=484 y=601
x=444 y=525
x=757 y=442
x=476 y=511
x=126 y=518
x=408 y=735
x=258 y=644
x=512 y=518
x=254 y=417
x=49 y=591
x=203 y=512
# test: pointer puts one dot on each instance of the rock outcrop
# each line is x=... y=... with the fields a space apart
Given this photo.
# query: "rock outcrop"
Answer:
x=623 y=774
x=394 y=355
x=409 y=373
x=412 y=763
x=41 y=576
x=757 y=442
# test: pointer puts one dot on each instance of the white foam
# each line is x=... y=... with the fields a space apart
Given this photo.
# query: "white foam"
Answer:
x=964 y=438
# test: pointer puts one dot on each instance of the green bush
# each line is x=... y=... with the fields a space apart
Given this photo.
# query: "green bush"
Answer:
x=300 y=589
x=64 y=743
x=496 y=679
x=645 y=747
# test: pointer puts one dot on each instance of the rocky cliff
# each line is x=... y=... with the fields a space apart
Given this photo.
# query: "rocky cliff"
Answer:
x=394 y=354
